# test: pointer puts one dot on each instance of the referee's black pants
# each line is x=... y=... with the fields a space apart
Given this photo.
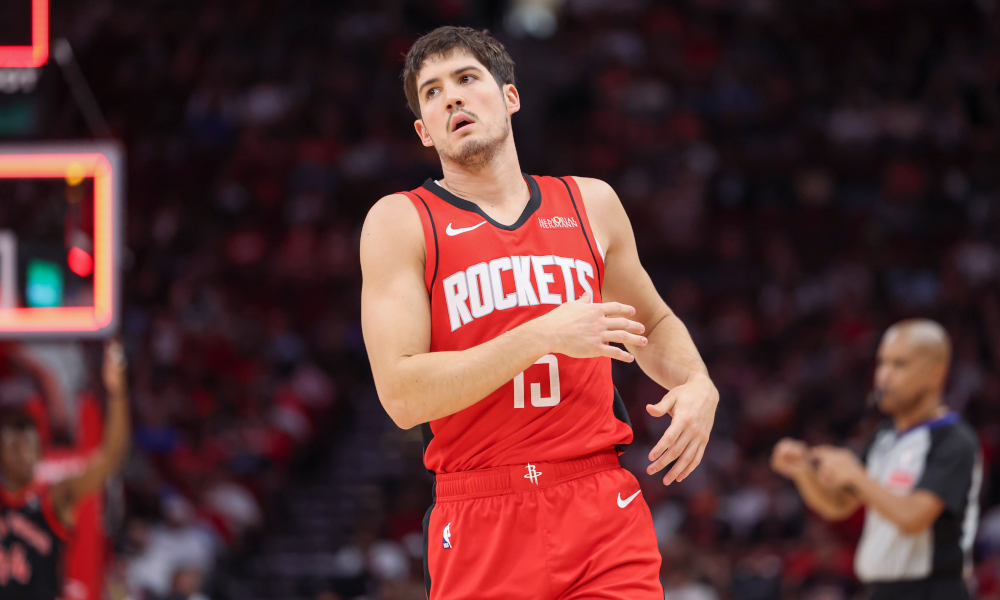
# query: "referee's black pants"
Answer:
x=922 y=589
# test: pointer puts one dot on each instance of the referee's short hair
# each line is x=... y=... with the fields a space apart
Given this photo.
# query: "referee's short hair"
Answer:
x=927 y=334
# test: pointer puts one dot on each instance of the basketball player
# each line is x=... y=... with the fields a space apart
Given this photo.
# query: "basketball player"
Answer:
x=35 y=519
x=921 y=484
x=490 y=297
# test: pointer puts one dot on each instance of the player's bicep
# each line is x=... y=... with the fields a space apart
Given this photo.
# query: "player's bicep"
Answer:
x=395 y=309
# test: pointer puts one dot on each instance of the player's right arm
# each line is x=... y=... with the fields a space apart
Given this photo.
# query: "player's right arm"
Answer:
x=790 y=459
x=415 y=385
x=114 y=449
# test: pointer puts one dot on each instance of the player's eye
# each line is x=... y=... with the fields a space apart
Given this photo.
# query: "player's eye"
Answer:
x=464 y=77
x=431 y=92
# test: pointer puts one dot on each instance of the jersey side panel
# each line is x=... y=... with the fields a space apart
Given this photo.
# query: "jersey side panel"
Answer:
x=430 y=238
x=576 y=196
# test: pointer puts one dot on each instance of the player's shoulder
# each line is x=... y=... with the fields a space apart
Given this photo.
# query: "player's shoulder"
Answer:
x=599 y=199
x=392 y=213
x=597 y=189
x=390 y=207
x=393 y=224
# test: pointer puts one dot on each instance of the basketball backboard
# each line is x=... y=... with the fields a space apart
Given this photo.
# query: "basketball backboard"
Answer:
x=61 y=224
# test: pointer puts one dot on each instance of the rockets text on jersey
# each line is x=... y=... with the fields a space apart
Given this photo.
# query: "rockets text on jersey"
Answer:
x=485 y=278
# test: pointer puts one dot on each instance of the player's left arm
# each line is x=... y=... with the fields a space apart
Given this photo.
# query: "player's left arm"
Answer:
x=670 y=358
x=68 y=492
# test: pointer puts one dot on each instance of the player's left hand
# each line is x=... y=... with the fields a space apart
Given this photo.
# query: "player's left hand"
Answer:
x=837 y=467
x=692 y=406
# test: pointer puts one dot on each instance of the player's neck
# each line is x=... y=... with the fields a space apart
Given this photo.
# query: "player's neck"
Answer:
x=497 y=185
x=929 y=408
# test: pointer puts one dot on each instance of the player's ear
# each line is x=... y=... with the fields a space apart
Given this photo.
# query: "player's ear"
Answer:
x=512 y=97
x=425 y=137
x=939 y=374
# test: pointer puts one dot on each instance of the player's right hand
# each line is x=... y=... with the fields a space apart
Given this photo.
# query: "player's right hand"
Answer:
x=790 y=457
x=114 y=367
x=583 y=329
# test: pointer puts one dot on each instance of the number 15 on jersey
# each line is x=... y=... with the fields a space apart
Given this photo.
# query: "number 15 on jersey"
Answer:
x=536 y=388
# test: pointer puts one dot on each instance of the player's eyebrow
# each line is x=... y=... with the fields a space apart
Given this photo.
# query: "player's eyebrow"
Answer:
x=453 y=73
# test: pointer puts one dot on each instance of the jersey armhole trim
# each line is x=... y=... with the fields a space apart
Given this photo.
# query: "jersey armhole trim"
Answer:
x=49 y=512
x=583 y=229
x=430 y=218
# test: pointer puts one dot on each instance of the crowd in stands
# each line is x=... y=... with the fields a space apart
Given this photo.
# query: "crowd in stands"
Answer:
x=799 y=176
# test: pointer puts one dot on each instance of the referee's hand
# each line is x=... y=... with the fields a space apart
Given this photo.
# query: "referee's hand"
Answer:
x=838 y=467
x=790 y=457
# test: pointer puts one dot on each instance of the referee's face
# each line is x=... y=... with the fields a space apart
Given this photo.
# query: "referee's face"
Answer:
x=905 y=374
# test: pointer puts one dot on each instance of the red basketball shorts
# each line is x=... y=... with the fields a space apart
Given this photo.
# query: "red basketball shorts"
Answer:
x=571 y=530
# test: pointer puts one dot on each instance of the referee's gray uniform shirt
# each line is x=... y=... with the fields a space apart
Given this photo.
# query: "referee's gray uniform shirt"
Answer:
x=941 y=456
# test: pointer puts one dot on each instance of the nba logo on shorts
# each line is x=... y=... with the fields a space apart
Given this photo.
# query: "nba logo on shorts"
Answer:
x=447 y=536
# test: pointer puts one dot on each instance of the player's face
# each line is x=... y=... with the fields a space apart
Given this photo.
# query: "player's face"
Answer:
x=19 y=454
x=464 y=114
x=904 y=374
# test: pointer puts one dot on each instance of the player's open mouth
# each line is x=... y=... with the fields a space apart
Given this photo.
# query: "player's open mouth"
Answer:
x=460 y=122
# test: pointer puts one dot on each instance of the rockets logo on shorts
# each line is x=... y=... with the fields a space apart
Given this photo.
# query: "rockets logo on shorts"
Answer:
x=533 y=474
x=446 y=541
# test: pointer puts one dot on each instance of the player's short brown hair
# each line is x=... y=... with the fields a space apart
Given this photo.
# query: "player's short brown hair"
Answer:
x=445 y=40
x=16 y=419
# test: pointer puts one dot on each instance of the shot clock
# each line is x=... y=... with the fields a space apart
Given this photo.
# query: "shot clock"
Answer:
x=60 y=239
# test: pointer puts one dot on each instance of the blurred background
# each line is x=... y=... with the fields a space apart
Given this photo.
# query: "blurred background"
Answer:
x=799 y=175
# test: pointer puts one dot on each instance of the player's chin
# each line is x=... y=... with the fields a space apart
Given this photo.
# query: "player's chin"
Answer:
x=462 y=137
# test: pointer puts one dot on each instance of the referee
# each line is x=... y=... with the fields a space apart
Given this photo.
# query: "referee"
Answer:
x=922 y=480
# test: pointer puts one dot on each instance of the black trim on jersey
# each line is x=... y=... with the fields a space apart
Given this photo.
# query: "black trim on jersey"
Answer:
x=534 y=202
x=428 y=434
x=437 y=255
x=618 y=408
x=427 y=537
x=932 y=588
x=600 y=278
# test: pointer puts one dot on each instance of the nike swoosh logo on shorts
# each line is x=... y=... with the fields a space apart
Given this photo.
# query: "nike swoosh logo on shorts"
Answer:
x=451 y=231
x=627 y=501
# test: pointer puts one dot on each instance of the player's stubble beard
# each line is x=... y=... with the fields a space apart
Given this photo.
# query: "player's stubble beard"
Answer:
x=476 y=153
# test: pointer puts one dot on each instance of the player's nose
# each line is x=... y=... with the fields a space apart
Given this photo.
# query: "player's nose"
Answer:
x=454 y=100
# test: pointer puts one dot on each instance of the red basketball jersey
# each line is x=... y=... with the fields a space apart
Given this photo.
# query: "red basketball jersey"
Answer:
x=485 y=278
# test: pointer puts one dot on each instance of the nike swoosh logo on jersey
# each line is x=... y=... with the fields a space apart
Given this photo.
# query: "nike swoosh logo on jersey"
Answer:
x=451 y=231
x=627 y=501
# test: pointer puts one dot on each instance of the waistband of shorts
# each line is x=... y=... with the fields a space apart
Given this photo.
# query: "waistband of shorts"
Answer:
x=511 y=479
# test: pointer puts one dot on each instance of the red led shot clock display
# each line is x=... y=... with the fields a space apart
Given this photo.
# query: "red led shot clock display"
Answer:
x=91 y=256
x=24 y=33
